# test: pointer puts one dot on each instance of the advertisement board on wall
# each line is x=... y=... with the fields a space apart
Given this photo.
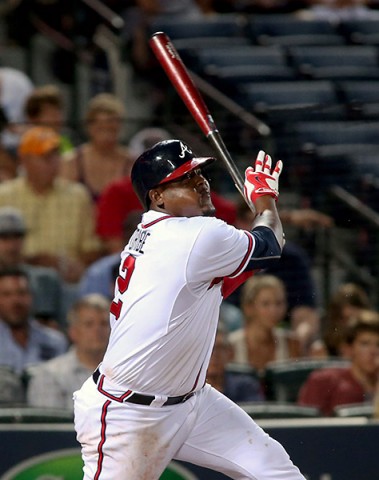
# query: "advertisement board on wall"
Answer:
x=324 y=449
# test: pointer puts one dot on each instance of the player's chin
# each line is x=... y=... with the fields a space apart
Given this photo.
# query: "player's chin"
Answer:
x=207 y=207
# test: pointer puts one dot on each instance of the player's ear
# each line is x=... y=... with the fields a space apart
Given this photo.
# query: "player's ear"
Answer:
x=156 y=197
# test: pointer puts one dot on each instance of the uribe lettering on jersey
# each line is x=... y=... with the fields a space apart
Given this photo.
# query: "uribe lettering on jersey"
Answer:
x=138 y=240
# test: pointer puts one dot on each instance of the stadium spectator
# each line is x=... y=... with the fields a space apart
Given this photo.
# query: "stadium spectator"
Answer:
x=45 y=107
x=294 y=269
x=145 y=138
x=239 y=387
x=329 y=387
x=58 y=213
x=102 y=159
x=348 y=300
x=376 y=403
x=100 y=276
x=8 y=165
x=114 y=205
x=52 y=383
x=263 y=338
x=336 y=11
x=23 y=340
x=15 y=87
x=45 y=283
x=12 y=391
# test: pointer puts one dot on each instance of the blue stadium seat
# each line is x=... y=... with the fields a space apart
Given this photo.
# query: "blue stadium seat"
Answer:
x=332 y=149
x=361 y=30
x=331 y=133
x=292 y=100
x=238 y=75
x=287 y=29
x=35 y=415
x=231 y=66
x=336 y=62
x=193 y=34
x=183 y=27
x=244 y=55
x=284 y=378
x=362 y=97
x=263 y=410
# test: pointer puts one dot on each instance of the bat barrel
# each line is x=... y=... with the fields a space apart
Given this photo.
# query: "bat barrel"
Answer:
x=178 y=74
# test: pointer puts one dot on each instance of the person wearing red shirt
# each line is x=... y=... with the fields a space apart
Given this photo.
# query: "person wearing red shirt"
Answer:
x=328 y=388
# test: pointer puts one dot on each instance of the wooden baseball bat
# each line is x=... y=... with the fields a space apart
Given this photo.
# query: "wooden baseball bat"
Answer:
x=178 y=74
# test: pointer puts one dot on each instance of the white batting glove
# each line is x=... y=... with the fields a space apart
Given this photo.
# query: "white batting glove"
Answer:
x=260 y=180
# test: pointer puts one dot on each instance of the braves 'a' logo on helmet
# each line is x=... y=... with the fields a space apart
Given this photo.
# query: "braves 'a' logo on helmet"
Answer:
x=184 y=148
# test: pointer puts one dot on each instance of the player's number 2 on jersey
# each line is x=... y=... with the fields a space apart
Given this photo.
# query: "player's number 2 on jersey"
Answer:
x=122 y=283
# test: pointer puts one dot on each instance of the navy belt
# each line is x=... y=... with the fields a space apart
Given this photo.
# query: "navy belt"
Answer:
x=140 y=399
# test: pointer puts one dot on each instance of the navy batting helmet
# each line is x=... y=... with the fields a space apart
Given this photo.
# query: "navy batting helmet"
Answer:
x=165 y=161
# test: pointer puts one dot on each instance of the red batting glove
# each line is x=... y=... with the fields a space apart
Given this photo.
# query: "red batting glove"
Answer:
x=260 y=181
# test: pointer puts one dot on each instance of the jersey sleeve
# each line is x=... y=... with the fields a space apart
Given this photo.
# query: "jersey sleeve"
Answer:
x=219 y=250
x=267 y=250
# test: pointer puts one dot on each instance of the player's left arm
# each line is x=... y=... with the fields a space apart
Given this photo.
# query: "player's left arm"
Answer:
x=261 y=189
x=266 y=249
x=265 y=240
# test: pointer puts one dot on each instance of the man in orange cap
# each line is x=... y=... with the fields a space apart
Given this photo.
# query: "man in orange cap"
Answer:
x=58 y=213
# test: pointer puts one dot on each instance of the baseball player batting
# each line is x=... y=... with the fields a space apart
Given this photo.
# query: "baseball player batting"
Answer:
x=148 y=402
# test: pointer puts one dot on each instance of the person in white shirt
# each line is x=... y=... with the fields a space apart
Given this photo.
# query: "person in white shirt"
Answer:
x=52 y=384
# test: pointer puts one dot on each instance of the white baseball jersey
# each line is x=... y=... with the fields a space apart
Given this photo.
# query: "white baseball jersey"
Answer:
x=164 y=318
x=167 y=298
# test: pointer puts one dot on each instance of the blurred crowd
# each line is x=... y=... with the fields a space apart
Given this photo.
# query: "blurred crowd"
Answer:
x=67 y=209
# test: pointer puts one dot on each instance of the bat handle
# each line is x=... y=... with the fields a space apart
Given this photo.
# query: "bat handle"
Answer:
x=215 y=138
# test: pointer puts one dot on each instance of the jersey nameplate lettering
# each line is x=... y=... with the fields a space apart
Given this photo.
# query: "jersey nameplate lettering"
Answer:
x=138 y=240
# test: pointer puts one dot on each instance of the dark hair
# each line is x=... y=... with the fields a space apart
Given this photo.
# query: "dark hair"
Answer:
x=347 y=294
x=13 y=272
x=365 y=321
x=42 y=96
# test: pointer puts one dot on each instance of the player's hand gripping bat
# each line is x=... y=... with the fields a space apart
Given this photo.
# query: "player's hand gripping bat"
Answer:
x=176 y=71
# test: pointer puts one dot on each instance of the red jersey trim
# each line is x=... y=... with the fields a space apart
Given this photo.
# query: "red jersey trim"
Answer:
x=119 y=399
x=102 y=440
x=147 y=225
x=247 y=255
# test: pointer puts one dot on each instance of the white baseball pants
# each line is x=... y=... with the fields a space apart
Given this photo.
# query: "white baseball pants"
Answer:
x=123 y=440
